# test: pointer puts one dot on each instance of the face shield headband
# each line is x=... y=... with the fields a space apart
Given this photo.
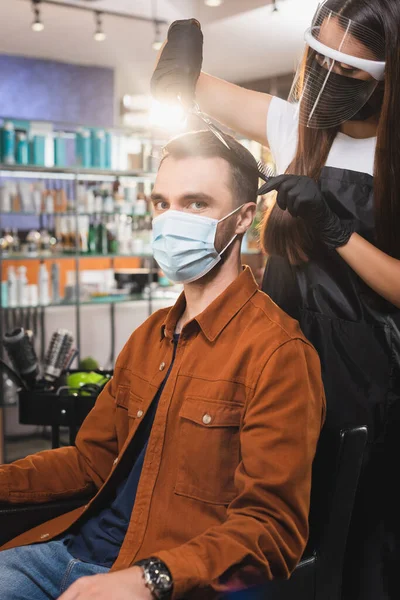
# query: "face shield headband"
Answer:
x=339 y=71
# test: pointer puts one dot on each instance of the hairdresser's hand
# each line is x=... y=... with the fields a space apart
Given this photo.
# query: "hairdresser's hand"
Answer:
x=301 y=197
x=179 y=65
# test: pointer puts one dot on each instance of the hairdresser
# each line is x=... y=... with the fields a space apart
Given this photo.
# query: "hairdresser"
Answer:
x=333 y=234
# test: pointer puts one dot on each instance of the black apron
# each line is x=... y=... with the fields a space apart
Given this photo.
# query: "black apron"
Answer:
x=357 y=336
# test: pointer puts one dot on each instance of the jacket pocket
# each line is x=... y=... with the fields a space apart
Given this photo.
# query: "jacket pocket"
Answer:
x=129 y=409
x=209 y=450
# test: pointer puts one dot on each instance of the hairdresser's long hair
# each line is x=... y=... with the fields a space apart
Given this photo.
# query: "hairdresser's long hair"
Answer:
x=289 y=237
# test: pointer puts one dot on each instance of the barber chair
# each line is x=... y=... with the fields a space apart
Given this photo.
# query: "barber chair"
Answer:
x=318 y=576
x=336 y=470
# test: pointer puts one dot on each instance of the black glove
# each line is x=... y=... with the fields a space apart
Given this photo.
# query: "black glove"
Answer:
x=301 y=197
x=179 y=66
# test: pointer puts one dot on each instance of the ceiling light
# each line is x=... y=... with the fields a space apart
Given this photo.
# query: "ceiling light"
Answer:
x=213 y=2
x=158 y=42
x=99 y=34
x=37 y=24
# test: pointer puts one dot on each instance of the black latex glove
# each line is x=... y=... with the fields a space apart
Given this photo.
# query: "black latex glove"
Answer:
x=301 y=197
x=179 y=66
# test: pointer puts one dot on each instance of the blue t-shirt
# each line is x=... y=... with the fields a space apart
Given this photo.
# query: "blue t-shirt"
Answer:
x=100 y=538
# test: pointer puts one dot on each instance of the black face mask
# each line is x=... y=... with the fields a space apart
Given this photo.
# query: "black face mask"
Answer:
x=373 y=106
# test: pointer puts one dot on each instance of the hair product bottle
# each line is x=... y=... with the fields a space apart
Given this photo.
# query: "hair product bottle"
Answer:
x=44 y=296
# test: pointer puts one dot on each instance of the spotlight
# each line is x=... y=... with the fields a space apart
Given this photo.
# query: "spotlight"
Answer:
x=99 y=34
x=213 y=2
x=157 y=43
x=169 y=117
x=37 y=24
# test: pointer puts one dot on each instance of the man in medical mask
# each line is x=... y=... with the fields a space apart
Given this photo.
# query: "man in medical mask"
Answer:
x=199 y=450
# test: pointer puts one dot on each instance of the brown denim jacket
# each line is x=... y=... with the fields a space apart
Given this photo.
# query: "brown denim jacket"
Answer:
x=224 y=492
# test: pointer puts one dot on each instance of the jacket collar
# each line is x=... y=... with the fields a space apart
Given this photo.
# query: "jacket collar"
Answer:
x=218 y=314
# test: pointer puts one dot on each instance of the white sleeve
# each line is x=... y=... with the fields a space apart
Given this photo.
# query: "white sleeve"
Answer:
x=282 y=132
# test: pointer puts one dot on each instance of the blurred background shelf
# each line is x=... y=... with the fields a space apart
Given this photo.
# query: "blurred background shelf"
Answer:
x=96 y=300
x=37 y=172
x=63 y=256
x=71 y=213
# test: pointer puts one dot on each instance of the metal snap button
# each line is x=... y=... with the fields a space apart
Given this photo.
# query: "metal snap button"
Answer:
x=162 y=366
x=207 y=419
x=115 y=461
x=45 y=535
x=139 y=413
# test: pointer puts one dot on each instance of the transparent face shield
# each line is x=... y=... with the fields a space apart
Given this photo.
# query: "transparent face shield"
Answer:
x=340 y=70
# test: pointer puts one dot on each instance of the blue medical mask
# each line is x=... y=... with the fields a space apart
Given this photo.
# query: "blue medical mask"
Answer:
x=184 y=244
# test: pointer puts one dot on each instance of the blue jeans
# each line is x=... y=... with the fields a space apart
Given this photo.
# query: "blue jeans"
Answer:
x=41 y=571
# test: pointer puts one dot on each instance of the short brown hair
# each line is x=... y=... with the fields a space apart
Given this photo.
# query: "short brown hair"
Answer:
x=244 y=171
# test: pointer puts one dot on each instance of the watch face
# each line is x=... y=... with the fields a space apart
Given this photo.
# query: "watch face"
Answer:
x=164 y=582
x=160 y=578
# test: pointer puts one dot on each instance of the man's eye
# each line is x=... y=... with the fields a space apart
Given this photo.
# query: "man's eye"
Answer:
x=161 y=205
x=197 y=205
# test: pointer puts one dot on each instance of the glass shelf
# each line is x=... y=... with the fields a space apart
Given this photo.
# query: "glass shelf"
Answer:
x=32 y=171
x=71 y=256
x=92 y=301
x=71 y=213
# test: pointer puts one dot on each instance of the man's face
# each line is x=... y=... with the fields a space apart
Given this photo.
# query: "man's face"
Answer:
x=196 y=185
x=200 y=186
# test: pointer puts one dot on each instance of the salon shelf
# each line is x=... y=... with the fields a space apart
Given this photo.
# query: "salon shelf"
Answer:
x=32 y=171
x=71 y=256
x=156 y=295
x=71 y=213
x=92 y=301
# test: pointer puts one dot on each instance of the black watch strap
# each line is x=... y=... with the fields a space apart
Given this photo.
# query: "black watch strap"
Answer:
x=157 y=577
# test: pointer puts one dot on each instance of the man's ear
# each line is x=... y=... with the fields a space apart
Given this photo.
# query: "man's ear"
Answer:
x=245 y=218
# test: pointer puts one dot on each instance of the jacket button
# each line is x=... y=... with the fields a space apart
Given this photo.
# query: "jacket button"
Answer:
x=115 y=461
x=139 y=413
x=206 y=419
x=162 y=366
x=45 y=535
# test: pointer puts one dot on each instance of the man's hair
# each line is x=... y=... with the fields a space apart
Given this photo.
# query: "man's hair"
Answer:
x=204 y=144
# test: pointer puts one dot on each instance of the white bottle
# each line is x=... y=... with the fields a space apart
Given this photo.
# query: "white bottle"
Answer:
x=44 y=295
x=22 y=287
x=90 y=202
x=33 y=295
x=140 y=207
x=37 y=200
x=12 y=287
x=49 y=204
x=5 y=198
x=108 y=205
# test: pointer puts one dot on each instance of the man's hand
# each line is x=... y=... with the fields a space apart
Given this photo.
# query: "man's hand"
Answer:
x=127 y=584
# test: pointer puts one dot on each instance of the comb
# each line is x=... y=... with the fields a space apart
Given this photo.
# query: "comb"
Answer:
x=265 y=171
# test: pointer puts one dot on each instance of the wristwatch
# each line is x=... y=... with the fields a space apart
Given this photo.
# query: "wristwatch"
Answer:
x=157 y=577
